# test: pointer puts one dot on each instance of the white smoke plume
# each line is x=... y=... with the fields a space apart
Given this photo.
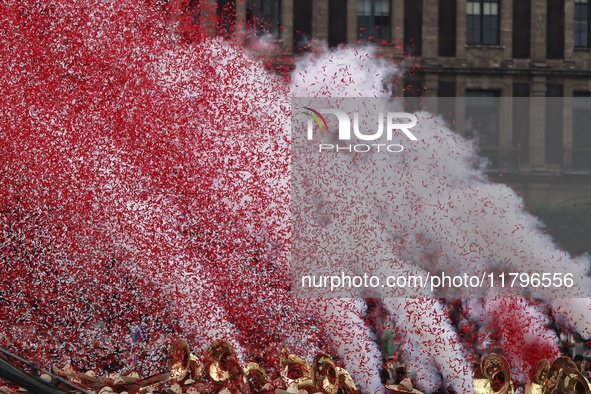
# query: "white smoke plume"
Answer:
x=438 y=211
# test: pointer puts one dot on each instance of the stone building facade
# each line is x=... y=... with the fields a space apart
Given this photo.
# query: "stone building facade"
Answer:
x=468 y=57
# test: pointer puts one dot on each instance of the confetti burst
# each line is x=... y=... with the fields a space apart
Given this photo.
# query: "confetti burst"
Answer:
x=144 y=194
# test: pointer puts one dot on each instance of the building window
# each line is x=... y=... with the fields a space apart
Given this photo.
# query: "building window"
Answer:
x=374 y=20
x=553 y=123
x=482 y=123
x=264 y=16
x=521 y=36
x=555 y=28
x=581 y=151
x=447 y=22
x=482 y=116
x=226 y=17
x=482 y=22
x=582 y=23
x=302 y=25
x=337 y=23
x=413 y=31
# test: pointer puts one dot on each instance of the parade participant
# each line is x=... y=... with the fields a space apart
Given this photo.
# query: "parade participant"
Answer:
x=405 y=387
x=586 y=367
x=385 y=376
x=182 y=364
x=399 y=375
x=395 y=361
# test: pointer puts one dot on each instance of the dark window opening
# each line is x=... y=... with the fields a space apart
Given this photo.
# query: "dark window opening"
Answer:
x=555 y=29
x=481 y=124
x=521 y=120
x=521 y=29
x=581 y=150
x=413 y=29
x=226 y=17
x=264 y=16
x=447 y=28
x=413 y=93
x=337 y=22
x=554 y=121
x=446 y=103
x=302 y=25
x=482 y=117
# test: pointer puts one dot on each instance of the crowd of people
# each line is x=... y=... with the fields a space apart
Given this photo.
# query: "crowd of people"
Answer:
x=217 y=370
x=394 y=373
x=398 y=379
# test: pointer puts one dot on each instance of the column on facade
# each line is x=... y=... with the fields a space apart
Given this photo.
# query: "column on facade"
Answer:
x=320 y=20
x=506 y=28
x=538 y=26
x=461 y=21
x=351 y=21
x=287 y=24
x=430 y=30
